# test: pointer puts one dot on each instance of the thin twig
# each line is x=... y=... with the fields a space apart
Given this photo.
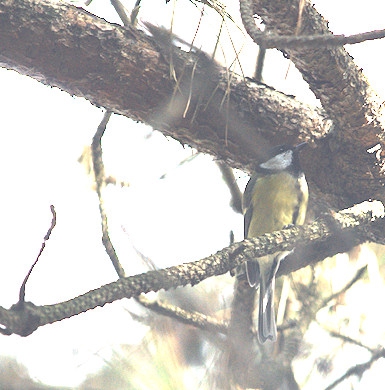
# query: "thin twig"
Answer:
x=356 y=277
x=165 y=309
x=97 y=160
x=192 y=318
x=119 y=8
x=134 y=13
x=46 y=238
x=229 y=178
x=349 y=340
x=358 y=369
x=260 y=62
x=293 y=41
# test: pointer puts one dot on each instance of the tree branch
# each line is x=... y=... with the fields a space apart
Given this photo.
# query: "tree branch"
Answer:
x=270 y=41
x=46 y=238
x=128 y=72
x=229 y=178
x=316 y=243
x=100 y=179
x=69 y=57
x=345 y=95
x=359 y=369
x=192 y=318
x=359 y=274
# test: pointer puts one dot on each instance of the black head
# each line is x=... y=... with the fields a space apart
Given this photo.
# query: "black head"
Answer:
x=283 y=158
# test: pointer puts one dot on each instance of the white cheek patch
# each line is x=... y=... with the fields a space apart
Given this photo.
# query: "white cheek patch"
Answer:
x=279 y=162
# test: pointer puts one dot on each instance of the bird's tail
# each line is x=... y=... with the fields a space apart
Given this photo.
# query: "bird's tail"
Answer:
x=267 y=328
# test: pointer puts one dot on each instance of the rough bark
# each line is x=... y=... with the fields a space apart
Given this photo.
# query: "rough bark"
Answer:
x=128 y=72
x=345 y=95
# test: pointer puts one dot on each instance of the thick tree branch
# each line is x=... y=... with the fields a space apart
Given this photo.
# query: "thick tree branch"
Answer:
x=318 y=240
x=344 y=94
x=128 y=72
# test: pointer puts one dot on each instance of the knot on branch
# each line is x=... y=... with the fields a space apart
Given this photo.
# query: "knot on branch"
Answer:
x=24 y=317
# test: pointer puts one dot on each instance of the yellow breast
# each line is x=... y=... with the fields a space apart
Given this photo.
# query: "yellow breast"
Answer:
x=278 y=200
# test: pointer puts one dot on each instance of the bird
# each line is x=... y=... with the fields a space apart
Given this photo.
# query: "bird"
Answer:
x=275 y=197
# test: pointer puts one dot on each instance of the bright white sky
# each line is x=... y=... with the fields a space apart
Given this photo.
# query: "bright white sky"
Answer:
x=44 y=131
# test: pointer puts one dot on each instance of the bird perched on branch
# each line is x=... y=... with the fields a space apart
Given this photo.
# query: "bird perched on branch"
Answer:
x=275 y=197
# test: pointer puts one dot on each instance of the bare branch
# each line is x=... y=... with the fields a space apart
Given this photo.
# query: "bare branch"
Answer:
x=159 y=307
x=359 y=369
x=27 y=319
x=135 y=12
x=356 y=277
x=270 y=41
x=346 y=96
x=258 y=116
x=192 y=318
x=119 y=8
x=260 y=63
x=349 y=340
x=46 y=238
x=98 y=165
x=229 y=178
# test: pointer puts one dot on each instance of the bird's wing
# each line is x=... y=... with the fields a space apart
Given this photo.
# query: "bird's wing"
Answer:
x=247 y=205
x=253 y=273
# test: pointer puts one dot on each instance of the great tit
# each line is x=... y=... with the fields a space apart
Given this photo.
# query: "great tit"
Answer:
x=275 y=197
